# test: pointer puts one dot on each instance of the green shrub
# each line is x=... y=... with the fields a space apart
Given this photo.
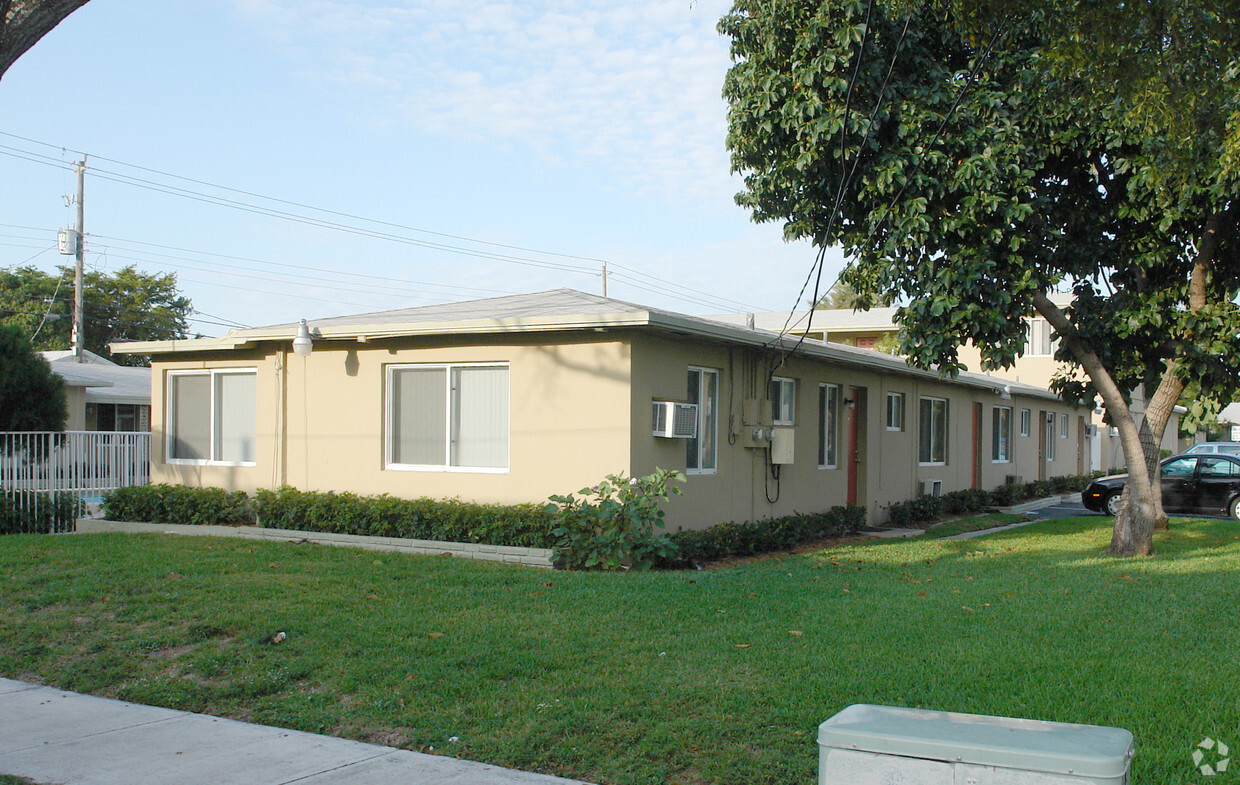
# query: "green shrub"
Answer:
x=926 y=508
x=30 y=512
x=449 y=520
x=611 y=526
x=765 y=536
x=178 y=504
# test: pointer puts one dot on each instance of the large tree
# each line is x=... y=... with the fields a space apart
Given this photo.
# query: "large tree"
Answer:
x=972 y=157
x=124 y=305
x=24 y=22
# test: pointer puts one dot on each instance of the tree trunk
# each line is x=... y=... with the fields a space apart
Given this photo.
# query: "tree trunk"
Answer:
x=1133 y=532
x=1141 y=509
x=24 y=22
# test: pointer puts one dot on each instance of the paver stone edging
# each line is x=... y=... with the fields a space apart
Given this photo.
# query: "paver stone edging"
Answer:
x=531 y=557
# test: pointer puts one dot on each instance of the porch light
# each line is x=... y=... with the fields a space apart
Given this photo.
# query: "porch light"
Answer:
x=302 y=344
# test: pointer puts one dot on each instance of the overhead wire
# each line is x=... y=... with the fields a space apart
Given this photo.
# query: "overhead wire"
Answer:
x=820 y=257
x=846 y=179
x=973 y=72
x=681 y=291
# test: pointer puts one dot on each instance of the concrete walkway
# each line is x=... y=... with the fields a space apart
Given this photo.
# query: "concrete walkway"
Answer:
x=53 y=736
x=1067 y=505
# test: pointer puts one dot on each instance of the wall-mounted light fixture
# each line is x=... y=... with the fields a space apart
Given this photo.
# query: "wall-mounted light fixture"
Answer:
x=1005 y=393
x=850 y=403
x=302 y=344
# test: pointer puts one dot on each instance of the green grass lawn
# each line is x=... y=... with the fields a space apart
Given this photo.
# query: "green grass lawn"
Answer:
x=689 y=677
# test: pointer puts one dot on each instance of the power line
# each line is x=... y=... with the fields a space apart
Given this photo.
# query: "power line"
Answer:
x=696 y=296
x=379 y=278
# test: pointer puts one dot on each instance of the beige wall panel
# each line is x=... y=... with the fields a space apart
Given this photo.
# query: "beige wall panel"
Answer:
x=569 y=420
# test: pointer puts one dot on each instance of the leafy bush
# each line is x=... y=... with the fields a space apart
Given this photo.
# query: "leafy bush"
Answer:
x=927 y=508
x=449 y=520
x=612 y=525
x=28 y=512
x=765 y=536
x=179 y=504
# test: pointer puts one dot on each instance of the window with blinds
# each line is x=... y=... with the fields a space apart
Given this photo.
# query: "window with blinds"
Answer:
x=448 y=417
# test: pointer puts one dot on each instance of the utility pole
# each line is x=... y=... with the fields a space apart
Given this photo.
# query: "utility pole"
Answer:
x=604 y=279
x=76 y=339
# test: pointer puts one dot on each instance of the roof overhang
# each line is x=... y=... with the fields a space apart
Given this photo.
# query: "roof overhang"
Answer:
x=663 y=321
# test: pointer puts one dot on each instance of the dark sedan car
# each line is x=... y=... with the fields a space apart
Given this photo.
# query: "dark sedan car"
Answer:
x=1199 y=483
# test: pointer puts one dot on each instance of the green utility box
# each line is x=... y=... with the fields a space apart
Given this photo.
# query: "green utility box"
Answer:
x=884 y=745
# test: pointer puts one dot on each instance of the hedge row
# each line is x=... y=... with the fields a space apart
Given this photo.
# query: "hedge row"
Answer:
x=927 y=508
x=448 y=520
x=765 y=536
x=28 y=512
x=179 y=504
x=528 y=525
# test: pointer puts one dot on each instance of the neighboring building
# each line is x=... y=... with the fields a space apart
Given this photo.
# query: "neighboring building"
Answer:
x=1035 y=366
x=103 y=396
x=512 y=399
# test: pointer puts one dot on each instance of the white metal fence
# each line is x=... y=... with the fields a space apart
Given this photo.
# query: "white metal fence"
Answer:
x=37 y=465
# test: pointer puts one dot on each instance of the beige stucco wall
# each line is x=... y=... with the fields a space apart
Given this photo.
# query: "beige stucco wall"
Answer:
x=320 y=423
x=889 y=470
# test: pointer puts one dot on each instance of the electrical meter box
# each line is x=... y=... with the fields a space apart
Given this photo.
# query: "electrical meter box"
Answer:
x=884 y=745
x=783 y=445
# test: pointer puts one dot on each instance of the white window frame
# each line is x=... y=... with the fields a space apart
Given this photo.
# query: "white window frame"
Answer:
x=447 y=368
x=1001 y=439
x=1063 y=426
x=1038 y=339
x=828 y=426
x=927 y=430
x=1026 y=417
x=707 y=425
x=895 y=411
x=783 y=400
x=211 y=374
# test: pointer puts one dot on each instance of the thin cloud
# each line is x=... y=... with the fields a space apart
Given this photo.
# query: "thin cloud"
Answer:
x=631 y=87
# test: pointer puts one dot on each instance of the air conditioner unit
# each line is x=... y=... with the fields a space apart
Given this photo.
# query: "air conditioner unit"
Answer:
x=931 y=487
x=1091 y=430
x=673 y=420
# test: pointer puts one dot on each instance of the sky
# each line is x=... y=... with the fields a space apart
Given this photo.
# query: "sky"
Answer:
x=294 y=159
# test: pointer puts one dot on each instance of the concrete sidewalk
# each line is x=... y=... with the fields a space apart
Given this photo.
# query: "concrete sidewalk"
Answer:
x=53 y=736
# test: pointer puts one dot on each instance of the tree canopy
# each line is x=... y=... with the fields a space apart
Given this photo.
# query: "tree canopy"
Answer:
x=971 y=157
x=32 y=397
x=127 y=304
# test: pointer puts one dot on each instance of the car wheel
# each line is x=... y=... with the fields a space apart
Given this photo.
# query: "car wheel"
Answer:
x=1112 y=503
x=1233 y=509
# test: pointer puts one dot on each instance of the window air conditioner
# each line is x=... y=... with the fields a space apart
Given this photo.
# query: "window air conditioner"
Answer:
x=673 y=420
x=931 y=487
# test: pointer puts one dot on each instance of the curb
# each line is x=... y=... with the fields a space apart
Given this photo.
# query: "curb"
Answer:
x=529 y=557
